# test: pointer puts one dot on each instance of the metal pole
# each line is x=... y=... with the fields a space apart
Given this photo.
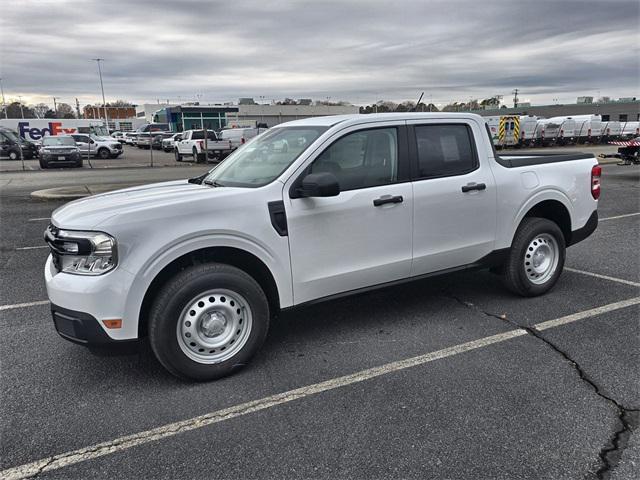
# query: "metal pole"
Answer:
x=4 y=105
x=151 y=146
x=104 y=103
x=55 y=106
x=21 y=109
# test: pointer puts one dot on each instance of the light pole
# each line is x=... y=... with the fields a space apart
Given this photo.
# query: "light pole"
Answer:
x=21 y=109
x=55 y=106
x=104 y=103
x=4 y=105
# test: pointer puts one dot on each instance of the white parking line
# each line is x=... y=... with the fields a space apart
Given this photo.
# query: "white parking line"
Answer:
x=603 y=277
x=120 y=444
x=38 y=219
x=32 y=248
x=619 y=216
x=23 y=305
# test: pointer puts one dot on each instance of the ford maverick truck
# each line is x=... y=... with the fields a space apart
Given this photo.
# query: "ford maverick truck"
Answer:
x=353 y=203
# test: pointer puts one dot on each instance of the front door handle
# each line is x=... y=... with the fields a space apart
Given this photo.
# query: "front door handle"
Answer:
x=387 y=199
x=473 y=186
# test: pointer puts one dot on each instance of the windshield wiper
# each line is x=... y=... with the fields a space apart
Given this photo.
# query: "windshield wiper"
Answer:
x=213 y=183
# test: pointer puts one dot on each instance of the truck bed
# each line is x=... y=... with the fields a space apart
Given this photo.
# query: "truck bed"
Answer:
x=514 y=160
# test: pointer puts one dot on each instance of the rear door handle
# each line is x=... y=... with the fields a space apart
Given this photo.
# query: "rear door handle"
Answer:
x=387 y=199
x=473 y=186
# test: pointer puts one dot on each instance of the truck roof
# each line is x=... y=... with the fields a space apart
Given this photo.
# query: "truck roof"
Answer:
x=330 y=121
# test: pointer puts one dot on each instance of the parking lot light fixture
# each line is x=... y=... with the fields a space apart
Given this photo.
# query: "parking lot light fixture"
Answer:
x=4 y=105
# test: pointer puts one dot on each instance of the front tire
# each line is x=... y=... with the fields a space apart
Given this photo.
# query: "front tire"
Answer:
x=104 y=153
x=43 y=164
x=208 y=321
x=536 y=257
x=177 y=155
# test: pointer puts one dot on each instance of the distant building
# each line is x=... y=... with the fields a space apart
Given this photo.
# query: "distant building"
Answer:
x=585 y=100
x=97 y=111
x=146 y=111
x=246 y=101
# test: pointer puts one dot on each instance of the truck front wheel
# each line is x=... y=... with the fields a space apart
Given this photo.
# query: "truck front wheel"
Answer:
x=208 y=321
x=536 y=257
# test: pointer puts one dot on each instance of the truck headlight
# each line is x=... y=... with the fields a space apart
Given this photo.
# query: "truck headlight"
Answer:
x=82 y=253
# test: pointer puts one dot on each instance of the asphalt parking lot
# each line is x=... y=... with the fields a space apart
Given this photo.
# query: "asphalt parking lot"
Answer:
x=451 y=377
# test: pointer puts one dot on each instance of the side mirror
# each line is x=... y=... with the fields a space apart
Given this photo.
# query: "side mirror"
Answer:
x=323 y=184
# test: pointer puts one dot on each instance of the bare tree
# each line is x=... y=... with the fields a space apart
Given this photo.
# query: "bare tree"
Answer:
x=40 y=109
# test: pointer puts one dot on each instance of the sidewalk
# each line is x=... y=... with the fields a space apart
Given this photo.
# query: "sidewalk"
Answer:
x=78 y=191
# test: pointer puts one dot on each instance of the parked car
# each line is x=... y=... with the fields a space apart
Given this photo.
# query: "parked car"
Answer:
x=143 y=140
x=192 y=144
x=239 y=136
x=11 y=144
x=119 y=136
x=101 y=147
x=168 y=144
x=59 y=150
x=356 y=202
x=130 y=138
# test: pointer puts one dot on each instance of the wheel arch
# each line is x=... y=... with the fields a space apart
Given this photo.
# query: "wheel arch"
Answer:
x=237 y=257
x=552 y=209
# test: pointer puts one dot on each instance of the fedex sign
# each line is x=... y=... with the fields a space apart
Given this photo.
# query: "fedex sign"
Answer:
x=35 y=133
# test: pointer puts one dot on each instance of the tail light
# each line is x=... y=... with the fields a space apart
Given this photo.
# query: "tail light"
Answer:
x=589 y=132
x=561 y=133
x=201 y=143
x=596 y=171
x=242 y=140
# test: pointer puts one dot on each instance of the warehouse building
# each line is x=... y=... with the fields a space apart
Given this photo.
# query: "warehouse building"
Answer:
x=215 y=117
x=627 y=110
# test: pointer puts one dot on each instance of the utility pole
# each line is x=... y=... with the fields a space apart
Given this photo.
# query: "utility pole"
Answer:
x=104 y=103
x=78 y=108
x=515 y=98
x=4 y=105
x=55 y=106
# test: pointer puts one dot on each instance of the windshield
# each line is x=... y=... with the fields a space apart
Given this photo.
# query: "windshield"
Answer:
x=262 y=160
x=13 y=136
x=57 y=141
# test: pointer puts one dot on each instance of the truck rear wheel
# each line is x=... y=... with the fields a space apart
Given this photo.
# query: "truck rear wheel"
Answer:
x=208 y=321
x=536 y=257
x=177 y=154
x=199 y=157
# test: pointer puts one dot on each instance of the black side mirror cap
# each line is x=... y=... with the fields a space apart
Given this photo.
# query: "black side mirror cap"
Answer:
x=319 y=185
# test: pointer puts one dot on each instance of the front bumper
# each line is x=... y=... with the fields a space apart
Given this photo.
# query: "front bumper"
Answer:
x=80 y=304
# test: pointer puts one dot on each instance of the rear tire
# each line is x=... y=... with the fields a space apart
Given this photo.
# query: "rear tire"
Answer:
x=43 y=164
x=536 y=257
x=208 y=321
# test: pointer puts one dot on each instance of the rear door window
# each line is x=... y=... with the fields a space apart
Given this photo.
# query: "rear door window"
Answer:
x=444 y=150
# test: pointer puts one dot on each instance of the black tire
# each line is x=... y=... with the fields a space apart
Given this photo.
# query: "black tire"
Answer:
x=197 y=157
x=514 y=272
x=174 y=297
x=79 y=163
x=177 y=155
x=43 y=164
x=104 y=153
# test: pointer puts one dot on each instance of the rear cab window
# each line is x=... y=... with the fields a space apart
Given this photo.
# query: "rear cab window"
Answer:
x=443 y=150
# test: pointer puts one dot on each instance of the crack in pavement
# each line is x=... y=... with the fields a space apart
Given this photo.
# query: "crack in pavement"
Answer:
x=628 y=418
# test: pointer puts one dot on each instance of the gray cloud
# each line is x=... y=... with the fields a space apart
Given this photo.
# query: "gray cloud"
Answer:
x=353 y=50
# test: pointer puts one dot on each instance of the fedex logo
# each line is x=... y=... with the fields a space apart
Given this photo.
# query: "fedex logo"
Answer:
x=54 y=128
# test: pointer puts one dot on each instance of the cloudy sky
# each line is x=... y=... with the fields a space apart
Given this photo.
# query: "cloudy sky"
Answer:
x=355 y=50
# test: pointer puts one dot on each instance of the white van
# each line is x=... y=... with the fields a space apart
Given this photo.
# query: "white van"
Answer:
x=588 y=128
x=239 y=136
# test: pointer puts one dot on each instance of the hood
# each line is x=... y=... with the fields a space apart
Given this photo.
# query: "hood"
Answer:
x=88 y=213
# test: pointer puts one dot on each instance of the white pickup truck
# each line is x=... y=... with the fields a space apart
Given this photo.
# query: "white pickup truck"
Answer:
x=354 y=203
x=193 y=144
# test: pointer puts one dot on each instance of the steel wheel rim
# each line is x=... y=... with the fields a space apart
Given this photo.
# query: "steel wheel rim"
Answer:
x=541 y=258
x=214 y=326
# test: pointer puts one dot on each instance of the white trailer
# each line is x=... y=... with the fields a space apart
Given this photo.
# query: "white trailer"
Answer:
x=34 y=129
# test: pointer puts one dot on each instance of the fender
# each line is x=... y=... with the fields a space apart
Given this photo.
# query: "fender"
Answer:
x=278 y=267
x=538 y=197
